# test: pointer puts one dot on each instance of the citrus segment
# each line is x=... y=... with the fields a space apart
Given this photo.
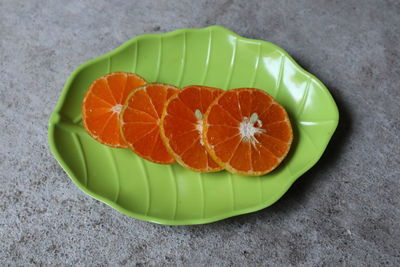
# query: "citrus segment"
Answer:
x=140 y=100
x=275 y=113
x=262 y=159
x=182 y=126
x=116 y=84
x=102 y=104
x=224 y=149
x=140 y=118
x=247 y=132
x=280 y=130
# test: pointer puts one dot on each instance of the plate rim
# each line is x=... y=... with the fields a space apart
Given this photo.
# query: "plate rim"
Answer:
x=55 y=117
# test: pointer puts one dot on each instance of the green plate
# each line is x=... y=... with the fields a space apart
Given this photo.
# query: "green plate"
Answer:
x=212 y=56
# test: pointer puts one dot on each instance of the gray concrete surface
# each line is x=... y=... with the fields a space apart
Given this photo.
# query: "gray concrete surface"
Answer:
x=345 y=211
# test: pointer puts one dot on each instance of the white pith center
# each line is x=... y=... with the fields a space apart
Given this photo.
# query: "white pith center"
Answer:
x=199 y=124
x=117 y=108
x=250 y=127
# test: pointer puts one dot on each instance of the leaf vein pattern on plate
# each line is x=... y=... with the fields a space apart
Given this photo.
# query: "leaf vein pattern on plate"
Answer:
x=280 y=76
x=308 y=137
x=256 y=66
x=183 y=61
x=316 y=122
x=159 y=57
x=173 y=178
x=81 y=153
x=72 y=127
x=207 y=63
x=203 y=200
x=231 y=66
x=134 y=65
x=146 y=179
x=304 y=99
x=115 y=170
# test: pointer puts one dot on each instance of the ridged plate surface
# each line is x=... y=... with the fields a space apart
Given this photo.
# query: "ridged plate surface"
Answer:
x=212 y=56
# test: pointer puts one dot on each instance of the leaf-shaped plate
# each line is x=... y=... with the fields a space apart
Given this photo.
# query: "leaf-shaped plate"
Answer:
x=212 y=56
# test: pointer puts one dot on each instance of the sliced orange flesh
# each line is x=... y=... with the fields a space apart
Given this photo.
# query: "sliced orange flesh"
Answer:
x=181 y=127
x=247 y=132
x=140 y=118
x=102 y=104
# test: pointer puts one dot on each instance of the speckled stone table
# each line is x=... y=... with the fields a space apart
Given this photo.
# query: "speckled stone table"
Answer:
x=344 y=211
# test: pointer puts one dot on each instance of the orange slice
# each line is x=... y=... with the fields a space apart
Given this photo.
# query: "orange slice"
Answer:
x=247 y=132
x=140 y=118
x=181 y=127
x=102 y=104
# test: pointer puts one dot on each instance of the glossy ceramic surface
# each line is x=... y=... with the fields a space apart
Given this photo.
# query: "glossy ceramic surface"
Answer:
x=212 y=56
